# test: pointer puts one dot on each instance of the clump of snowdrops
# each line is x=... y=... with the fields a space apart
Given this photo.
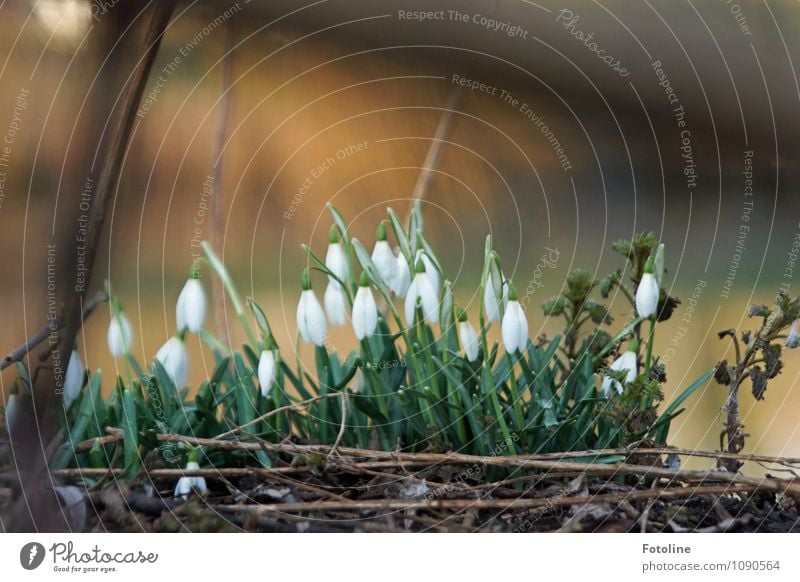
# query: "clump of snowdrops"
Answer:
x=423 y=375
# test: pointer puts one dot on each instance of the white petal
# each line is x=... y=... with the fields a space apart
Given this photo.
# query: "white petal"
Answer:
x=336 y=261
x=73 y=379
x=190 y=310
x=469 y=340
x=335 y=303
x=610 y=384
x=385 y=262
x=266 y=371
x=422 y=288
x=402 y=278
x=12 y=413
x=647 y=296
x=430 y=299
x=514 y=328
x=187 y=484
x=120 y=335
x=625 y=362
x=175 y=361
x=365 y=313
x=490 y=305
x=793 y=338
x=311 y=319
x=430 y=270
x=522 y=328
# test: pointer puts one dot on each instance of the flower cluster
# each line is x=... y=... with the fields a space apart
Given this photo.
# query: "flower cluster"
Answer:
x=423 y=376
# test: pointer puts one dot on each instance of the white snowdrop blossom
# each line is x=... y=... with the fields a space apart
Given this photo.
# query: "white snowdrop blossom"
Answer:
x=310 y=317
x=494 y=287
x=73 y=379
x=625 y=362
x=120 y=335
x=266 y=371
x=793 y=339
x=647 y=292
x=431 y=270
x=174 y=359
x=383 y=257
x=190 y=310
x=515 y=325
x=422 y=289
x=335 y=303
x=468 y=336
x=365 y=311
x=13 y=412
x=336 y=259
x=402 y=277
x=187 y=484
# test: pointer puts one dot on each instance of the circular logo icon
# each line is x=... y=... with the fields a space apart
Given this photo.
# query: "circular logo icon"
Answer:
x=31 y=555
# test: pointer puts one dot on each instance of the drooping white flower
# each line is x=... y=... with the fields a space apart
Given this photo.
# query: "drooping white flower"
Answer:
x=430 y=270
x=422 y=289
x=175 y=360
x=515 y=325
x=793 y=339
x=383 y=257
x=365 y=311
x=335 y=303
x=188 y=484
x=266 y=371
x=310 y=317
x=120 y=335
x=190 y=310
x=468 y=336
x=402 y=277
x=13 y=412
x=494 y=287
x=647 y=292
x=336 y=259
x=73 y=379
x=626 y=362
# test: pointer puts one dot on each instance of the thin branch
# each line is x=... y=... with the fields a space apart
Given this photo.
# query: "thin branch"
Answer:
x=56 y=324
x=477 y=504
x=434 y=154
x=298 y=407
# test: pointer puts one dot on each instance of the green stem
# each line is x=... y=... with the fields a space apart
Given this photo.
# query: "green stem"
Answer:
x=219 y=268
x=649 y=357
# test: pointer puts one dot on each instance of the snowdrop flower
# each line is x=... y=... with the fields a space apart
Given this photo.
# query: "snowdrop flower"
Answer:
x=515 y=324
x=467 y=335
x=336 y=260
x=310 y=317
x=335 y=303
x=173 y=358
x=626 y=362
x=73 y=379
x=495 y=286
x=188 y=484
x=365 y=312
x=402 y=277
x=647 y=292
x=13 y=411
x=422 y=289
x=793 y=339
x=266 y=369
x=120 y=335
x=190 y=310
x=430 y=270
x=383 y=257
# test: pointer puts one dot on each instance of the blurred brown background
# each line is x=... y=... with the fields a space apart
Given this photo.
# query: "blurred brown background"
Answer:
x=364 y=85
